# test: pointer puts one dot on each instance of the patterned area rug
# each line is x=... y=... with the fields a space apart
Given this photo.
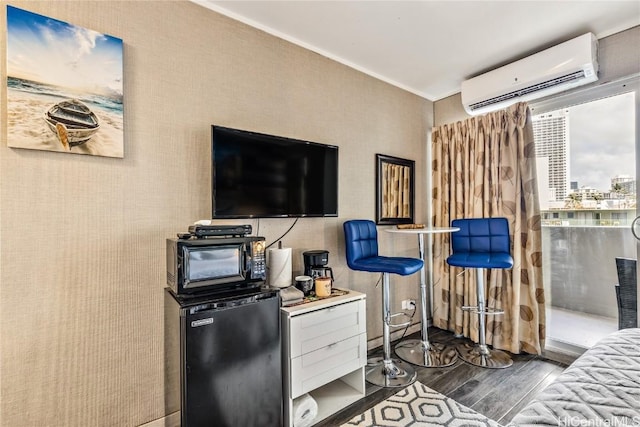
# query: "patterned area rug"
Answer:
x=419 y=406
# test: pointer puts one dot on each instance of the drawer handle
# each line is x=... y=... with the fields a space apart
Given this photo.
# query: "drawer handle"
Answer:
x=330 y=309
x=332 y=345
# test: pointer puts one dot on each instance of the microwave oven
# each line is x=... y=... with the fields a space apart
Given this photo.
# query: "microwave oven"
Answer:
x=214 y=264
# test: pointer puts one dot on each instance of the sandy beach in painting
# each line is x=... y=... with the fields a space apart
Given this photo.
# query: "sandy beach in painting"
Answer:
x=28 y=129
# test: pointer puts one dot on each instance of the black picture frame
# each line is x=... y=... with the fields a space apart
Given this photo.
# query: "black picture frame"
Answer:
x=381 y=217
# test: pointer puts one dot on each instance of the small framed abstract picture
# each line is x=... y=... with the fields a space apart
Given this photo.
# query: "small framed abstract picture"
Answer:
x=64 y=87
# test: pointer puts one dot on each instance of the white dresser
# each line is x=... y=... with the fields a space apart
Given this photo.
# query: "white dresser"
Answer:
x=324 y=351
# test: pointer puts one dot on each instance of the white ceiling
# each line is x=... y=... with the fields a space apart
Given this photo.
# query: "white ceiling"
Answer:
x=430 y=47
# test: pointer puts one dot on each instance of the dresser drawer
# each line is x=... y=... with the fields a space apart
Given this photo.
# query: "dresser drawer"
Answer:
x=321 y=328
x=326 y=364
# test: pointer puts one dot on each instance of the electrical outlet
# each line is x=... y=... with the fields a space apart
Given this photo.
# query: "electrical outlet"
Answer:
x=408 y=304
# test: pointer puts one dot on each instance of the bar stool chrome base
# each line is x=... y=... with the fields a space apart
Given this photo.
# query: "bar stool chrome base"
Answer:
x=484 y=357
x=390 y=373
x=428 y=354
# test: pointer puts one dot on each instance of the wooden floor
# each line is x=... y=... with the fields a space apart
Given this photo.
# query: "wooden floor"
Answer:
x=496 y=393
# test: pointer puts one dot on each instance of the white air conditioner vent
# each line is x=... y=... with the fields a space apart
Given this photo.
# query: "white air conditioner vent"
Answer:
x=562 y=67
x=530 y=89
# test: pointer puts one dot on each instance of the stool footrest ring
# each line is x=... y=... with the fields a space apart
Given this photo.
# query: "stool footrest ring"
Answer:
x=398 y=325
x=487 y=311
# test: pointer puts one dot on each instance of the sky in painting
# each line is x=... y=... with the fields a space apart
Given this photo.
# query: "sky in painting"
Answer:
x=49 y=51
x=602 y=141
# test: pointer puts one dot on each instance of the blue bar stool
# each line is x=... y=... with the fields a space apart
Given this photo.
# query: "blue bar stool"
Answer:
x=482 y=243
x=361 y=240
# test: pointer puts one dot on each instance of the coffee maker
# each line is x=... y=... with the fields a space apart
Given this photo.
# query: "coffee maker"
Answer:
x=315 y=264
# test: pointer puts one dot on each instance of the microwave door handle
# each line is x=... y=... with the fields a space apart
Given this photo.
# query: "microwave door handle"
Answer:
x=247 y=260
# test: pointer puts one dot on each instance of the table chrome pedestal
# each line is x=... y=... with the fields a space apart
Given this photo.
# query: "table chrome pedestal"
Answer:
x=485 y=357
x=422 y=352
x=425 y=353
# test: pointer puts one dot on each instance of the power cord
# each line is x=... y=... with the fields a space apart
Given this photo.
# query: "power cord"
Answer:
x=379 y=280
x=285 y=233
x=413 y=312
x=406 y=328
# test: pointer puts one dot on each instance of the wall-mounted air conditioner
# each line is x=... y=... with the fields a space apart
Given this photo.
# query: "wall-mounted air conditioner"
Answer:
x=559 y=68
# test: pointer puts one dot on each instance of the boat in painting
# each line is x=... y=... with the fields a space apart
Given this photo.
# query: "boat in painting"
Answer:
x=72 y=121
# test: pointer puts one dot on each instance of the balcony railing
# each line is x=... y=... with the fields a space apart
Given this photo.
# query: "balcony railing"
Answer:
x=572 y=222
x=579 y=264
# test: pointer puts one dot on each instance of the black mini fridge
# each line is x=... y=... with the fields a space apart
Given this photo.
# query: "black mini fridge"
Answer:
x=230 y=363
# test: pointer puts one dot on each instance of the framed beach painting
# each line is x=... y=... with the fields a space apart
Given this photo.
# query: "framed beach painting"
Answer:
x=64 y=87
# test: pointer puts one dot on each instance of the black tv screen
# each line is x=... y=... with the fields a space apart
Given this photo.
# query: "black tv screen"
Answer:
x=264 y=176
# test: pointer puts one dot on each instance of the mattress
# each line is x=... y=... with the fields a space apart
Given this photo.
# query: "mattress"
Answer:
x=601 y=388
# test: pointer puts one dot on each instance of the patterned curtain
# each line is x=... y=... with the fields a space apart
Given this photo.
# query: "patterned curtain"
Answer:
x=485 y=167
x=395 y=194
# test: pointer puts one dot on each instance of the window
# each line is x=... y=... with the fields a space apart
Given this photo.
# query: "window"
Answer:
x=586 y=143
x=619 y=216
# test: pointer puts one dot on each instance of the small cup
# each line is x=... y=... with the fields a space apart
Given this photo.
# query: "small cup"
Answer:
x=305 y=284
x=323 y=286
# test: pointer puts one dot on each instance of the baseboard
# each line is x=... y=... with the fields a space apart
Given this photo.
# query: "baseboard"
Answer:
x=171 y=420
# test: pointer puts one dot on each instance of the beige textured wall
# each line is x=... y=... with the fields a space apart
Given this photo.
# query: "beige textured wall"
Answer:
x=617 y=58
x=82 y=238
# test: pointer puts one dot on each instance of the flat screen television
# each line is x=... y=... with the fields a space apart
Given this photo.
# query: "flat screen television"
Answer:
x=265 y=176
